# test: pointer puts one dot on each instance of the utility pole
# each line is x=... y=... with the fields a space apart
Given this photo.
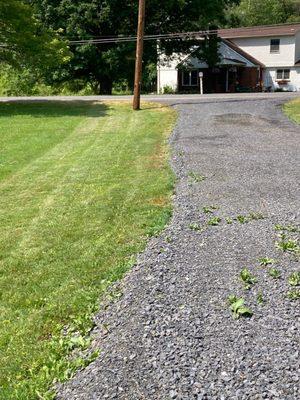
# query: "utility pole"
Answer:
x=139 y=56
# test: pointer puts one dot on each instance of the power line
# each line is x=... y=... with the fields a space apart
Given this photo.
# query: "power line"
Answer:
x=121 y=39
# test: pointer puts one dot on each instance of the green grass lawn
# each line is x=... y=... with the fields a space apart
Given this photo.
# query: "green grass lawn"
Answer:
x=292 y=110
x=82 y=185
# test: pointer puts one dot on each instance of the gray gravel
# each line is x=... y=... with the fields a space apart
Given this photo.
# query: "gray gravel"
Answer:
x=171 y=335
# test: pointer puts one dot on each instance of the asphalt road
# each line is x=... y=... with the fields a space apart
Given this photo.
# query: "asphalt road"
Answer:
x=170 y=99
x=172 y=334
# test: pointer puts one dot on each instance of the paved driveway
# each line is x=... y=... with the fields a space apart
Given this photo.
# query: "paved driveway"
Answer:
x=172 y=335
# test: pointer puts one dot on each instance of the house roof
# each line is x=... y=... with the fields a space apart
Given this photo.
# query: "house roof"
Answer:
x=230 y=54
x=243 y=53
x=260 y=31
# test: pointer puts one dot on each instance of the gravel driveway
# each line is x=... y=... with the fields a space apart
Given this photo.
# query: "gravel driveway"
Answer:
x=172 y=334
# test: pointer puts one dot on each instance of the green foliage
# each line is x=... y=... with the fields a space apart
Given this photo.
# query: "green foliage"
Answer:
x=247 y=278
x=24 y=42
x=287 y=244
x=195 y=177
x=228 y=220
x=214 y=221
x=238 y=308
x=168 y=90
x=195 y=226
x=294 y=279
x=266 y=261
x=293 y=294
x=288 y=228
x=242 y=219
x=260 y=298
x=80 y=186
x=263 y=12
x=274 y=273
x=210 y=209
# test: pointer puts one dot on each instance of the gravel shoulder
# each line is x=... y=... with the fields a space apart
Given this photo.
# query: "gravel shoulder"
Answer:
x=171 y=335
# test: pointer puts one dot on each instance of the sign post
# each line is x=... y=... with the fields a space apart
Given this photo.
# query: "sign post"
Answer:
x=201 y=82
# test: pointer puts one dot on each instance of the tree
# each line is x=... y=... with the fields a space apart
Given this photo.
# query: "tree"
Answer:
x=23 y=42
x=102 y=65
x=263 y=12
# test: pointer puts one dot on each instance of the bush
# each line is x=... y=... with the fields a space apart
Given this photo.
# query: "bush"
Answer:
x=168 y=90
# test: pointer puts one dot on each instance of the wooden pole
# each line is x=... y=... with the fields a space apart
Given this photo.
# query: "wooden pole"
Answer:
x=139 y=56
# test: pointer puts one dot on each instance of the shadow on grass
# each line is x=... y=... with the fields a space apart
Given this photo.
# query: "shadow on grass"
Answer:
x=48 y=109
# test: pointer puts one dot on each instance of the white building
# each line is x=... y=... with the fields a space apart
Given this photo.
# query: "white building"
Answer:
x=251 y=59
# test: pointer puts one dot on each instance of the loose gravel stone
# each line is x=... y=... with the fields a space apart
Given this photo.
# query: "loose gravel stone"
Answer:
x=171 y=335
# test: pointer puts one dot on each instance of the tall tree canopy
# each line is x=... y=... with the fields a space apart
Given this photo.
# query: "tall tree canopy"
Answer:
x=264 y=12
x=23 y=40
x=104 y=64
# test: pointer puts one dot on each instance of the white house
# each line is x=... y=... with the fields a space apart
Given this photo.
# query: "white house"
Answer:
x=251 y=59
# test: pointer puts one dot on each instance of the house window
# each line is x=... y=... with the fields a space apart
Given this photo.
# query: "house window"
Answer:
x=190 y=78
x=274 y=45
x=283 y=74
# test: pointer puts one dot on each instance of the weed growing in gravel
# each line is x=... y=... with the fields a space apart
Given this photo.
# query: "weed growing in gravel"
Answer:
x=168 y=239
x=195 y=226
x=287 y=244
x=242 y=219
x=260 y=299
x=256 y=216
x=293 y=294
x=266 y=261
x=210 y=209
x=274 y=273
x=196 y=177
x=238 y=308
x=294 y=279
x=228 y=220
x=214 y=221
x=247 y=278
x=288 y=228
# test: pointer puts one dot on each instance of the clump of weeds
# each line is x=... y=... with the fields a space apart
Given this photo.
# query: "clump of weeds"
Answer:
x=228 y=220
x=247 y=278
x=238 y=308
x=287 y=244
x=293 y=294
x=274 y=273
x=265 y=261
x=294 y=279
x=287 y=228
x=260 y=299
x=214 y=221
x=256 y=216
x=242 y=219
x=195 y=226
x=195 y=177
x=210 y=209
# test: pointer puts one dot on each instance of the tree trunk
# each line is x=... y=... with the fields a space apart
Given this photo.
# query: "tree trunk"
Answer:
x=105 y=86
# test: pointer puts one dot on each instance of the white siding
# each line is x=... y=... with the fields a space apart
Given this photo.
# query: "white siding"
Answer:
x=259 y=48
x=269 y=78
x=166 y=78
x=297 y=47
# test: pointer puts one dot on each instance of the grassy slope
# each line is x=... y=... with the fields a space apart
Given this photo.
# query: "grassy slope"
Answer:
x=292 y=109
x=81 y=186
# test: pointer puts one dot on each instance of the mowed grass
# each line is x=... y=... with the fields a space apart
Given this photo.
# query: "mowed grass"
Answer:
x=292 y=110
x=82 y=186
